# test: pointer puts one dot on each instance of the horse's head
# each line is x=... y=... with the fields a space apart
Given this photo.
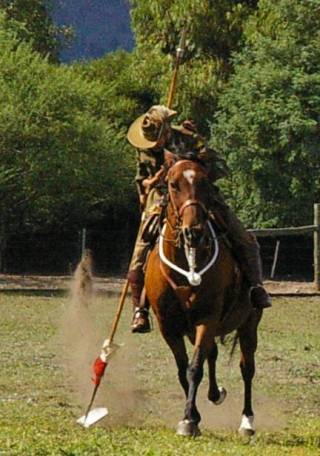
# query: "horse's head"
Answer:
x=188 y=191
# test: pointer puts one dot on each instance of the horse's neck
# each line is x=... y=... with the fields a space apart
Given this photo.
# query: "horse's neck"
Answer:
x=171 y=234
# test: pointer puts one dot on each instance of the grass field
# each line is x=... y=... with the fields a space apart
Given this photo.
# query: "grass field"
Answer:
x=47 y=346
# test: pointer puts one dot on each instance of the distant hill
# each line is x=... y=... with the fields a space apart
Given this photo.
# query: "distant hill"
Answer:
x=101 y=26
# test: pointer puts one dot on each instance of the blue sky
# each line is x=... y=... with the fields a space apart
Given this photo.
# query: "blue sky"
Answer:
x=101 y=26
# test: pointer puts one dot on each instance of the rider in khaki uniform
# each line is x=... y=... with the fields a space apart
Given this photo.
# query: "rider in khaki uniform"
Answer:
x=152 y=135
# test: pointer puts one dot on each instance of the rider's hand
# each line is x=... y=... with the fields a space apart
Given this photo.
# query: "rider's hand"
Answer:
x=190 y=125
x=152 y=181
x=159 y=174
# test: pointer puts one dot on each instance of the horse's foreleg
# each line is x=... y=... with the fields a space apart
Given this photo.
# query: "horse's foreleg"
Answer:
x=194 y=374
x=189 y=425
x=248 y=345
x=215 y=394
x=178 y=349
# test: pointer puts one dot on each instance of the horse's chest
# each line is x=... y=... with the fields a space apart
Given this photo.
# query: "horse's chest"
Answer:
x=181 y=309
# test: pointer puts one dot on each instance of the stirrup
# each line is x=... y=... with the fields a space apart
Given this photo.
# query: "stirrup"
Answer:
x=140 y=321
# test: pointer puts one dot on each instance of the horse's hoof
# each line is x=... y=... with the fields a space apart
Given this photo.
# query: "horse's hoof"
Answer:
x=188 y=428
x=246 y=432
x=246 y=428
x=223 y=394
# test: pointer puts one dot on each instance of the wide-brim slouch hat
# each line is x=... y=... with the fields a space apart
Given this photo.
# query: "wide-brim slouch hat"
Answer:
x=146 y=131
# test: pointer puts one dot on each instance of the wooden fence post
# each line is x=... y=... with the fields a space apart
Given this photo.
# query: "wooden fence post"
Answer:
x=275 y=259
x=316 y=248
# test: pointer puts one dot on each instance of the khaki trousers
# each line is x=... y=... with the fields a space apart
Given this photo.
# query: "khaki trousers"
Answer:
x=141 y=248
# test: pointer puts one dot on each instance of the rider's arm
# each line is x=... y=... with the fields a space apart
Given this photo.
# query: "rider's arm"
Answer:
x=150 y=182
x=147 y=175
x=141 y=175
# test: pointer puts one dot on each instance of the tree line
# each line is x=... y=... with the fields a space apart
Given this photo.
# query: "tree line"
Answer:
x=250 y=80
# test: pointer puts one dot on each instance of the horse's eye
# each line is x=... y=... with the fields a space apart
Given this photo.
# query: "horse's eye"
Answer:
x=174 y=186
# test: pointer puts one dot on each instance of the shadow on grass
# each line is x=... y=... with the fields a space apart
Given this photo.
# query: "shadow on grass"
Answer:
x=36 y=292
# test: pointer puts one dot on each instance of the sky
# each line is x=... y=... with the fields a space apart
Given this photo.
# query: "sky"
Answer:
x=100 y=26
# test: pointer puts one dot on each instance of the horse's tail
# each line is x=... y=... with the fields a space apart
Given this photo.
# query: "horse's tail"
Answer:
x=82 y=290
x=234 y=345
x=235 y=339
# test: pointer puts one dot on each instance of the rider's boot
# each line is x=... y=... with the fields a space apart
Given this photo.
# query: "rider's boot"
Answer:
x=251 y=264
x=140 y=321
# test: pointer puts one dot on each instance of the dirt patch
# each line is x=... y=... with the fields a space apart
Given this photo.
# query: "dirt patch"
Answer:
x=114 y=284
x=36 y=282
x=291 y=288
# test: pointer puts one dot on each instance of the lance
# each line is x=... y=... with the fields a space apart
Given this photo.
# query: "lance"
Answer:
x=108 y=348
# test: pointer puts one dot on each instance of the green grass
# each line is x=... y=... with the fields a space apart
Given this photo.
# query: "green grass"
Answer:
x=45 y=385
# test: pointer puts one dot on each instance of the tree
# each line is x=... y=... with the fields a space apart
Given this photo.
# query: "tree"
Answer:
x=59 y=155
x=268 y=123
x=214 y=31
x=134 y=89
x=143 y=76
x=214 y=27
x=32 y=22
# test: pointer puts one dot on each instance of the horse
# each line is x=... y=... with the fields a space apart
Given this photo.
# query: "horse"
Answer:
x=196 y=289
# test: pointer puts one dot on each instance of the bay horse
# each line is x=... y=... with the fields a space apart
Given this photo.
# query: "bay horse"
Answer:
x=196 y=289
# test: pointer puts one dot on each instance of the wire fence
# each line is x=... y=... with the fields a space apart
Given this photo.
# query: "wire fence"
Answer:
x=313 y=230
x=58 y=254
x=287 y=253
x=287 y=258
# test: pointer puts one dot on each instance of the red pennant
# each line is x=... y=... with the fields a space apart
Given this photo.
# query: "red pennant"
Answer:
x=98 y=370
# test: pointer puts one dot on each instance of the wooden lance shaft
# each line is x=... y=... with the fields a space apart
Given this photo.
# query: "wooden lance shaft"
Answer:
x=179 y=57
x=119 y=311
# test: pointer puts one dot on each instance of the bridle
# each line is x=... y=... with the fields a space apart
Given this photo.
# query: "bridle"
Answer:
x=194 y=277
x=191 y=202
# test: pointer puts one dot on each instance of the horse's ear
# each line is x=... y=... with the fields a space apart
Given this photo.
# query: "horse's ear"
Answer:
x=169 y=158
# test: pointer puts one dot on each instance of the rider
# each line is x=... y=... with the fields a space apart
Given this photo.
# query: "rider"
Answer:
x=152 y=134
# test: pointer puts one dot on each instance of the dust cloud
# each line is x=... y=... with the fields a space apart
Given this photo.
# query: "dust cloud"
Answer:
x=83 y=328
x=77 y=332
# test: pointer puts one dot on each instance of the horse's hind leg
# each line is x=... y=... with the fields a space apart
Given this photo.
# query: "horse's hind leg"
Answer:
x=248 y=345
x=215 y=394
